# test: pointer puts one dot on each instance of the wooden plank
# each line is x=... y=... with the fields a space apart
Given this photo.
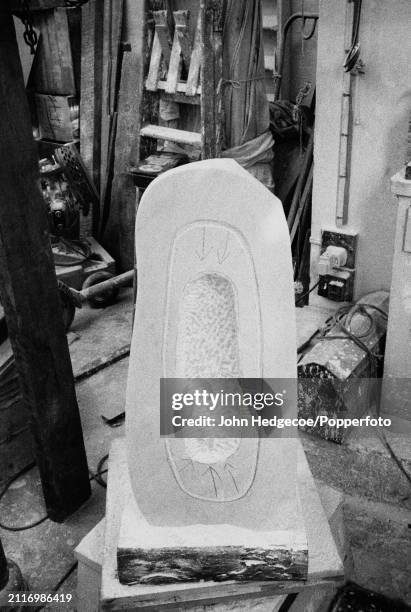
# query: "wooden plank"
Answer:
x=305 y=168
x=181 y=27
x=302 y=203
x=211 y=77
x=39 y=78
x=116 y=26
x=218 y=75
x=181 y=98
x=207 y=80
x=161 y=28
x=194 y=71
x=92 y=16
x=106 y=119
x=118 y=237
x=174 y=68
x=172 y=134
x=63 y=47
x=113 y=22
x=53 y=68
x=31 y=300
x=181 y=87
x=52 y=81
x=155 y=60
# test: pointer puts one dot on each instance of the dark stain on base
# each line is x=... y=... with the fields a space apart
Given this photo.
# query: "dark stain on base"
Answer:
x=165 y=565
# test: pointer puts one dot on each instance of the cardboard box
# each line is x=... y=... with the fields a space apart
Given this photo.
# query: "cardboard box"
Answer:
x=55 y=117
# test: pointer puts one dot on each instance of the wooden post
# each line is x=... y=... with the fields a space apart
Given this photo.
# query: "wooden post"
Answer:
x=92 y=17
x=30 y=297
x=118 y=236
x=4 y=568
x=211 y=77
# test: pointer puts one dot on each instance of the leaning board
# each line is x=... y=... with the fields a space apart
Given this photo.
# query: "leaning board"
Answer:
x=325 y=567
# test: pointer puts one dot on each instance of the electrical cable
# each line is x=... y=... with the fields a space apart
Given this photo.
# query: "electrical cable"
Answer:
x=353 y=54
x=307 y=292
x=100 y=472
x=68 y=573
x=93 y=476
x=27 y=468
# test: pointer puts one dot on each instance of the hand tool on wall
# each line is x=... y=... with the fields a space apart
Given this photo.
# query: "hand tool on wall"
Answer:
x=312 y=17
x=353 y=53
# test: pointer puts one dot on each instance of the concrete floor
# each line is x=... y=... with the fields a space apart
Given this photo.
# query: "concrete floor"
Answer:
x=45 y=553
x=377 y=501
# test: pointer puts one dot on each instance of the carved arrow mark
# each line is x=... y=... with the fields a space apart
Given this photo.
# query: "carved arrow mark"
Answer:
x=224 y=254
x=213 y=473
x=203 y=253
x=229 y=467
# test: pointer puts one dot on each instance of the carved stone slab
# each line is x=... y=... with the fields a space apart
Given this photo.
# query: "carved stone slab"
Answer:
x=325 y=569
x=215 y=299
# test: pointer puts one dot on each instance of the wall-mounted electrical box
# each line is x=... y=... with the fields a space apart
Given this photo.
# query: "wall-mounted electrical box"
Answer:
x=336 y=267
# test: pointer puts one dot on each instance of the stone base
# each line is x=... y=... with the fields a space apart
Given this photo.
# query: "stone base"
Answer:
x=324 y=563
x=148 y=554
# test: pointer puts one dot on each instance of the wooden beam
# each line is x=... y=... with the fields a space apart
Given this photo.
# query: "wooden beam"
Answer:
x=155 y=61
x=53 y=71
x=92 y=18
x=181 y=21
x=113 y=24
x=211 y=77
x=175 y=65
x=163 y=132
x=194 y=70
x=31 y=300
x=162 y=31
x=118 y=235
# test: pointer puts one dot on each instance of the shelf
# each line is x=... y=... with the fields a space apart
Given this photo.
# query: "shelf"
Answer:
x=160 y=132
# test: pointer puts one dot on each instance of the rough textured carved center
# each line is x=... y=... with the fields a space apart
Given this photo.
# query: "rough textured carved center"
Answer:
x=211 y=450
x=207 y=348
x=207 y=342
